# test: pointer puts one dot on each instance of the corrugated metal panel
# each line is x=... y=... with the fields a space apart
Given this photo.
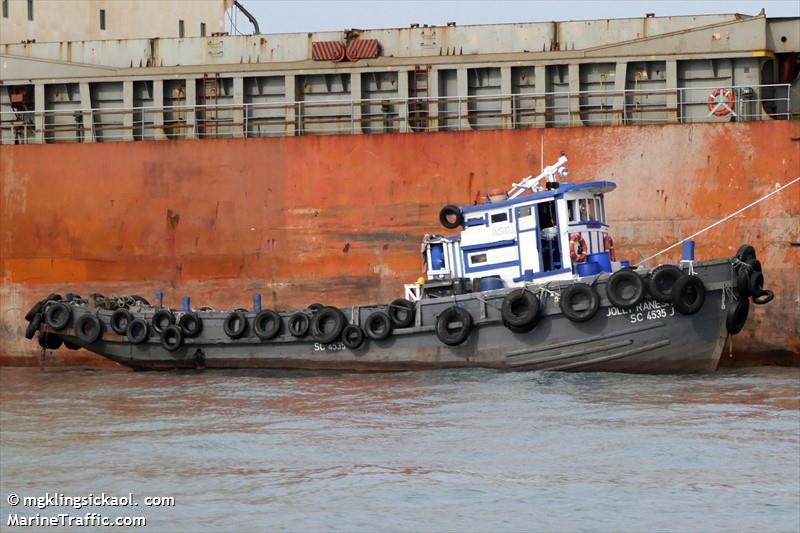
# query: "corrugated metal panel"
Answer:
x=363 y=49
x=327 y=51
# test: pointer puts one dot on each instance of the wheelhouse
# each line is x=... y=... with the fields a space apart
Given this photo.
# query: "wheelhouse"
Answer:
x=528 y=234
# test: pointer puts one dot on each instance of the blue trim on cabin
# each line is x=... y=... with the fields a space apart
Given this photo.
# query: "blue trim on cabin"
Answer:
x=589 y=224
x=488 y=245
x=483 y=268
x=551 y=273
x=565 y=188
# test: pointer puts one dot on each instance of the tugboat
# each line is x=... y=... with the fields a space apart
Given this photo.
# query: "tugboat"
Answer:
x=530 y=283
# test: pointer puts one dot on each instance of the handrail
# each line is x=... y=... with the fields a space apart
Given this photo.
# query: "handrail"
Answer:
x=435 y=113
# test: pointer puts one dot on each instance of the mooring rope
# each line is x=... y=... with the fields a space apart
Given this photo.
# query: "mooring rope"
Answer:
x=718 y=222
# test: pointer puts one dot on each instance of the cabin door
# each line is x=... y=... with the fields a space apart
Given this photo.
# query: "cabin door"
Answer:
x=526 y=239
x=549 y=237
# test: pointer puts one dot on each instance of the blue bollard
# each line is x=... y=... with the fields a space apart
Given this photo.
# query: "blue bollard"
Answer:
x=159 y=300
x=687 y=251
x=256 y=303
x=186 y=306
x=70 y=296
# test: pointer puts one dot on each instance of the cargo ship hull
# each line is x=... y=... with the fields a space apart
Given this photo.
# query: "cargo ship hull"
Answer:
x=329 y=217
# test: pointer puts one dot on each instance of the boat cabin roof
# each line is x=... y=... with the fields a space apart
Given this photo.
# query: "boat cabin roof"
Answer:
x=590 y=187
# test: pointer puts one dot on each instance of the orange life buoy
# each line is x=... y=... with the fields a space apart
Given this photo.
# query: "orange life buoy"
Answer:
x=724 y=107
x=608 y=244
x=577 y=257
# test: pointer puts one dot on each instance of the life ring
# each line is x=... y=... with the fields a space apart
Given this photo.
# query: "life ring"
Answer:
x=520 y=311
x=625 y=289
x=576 y=256
x=688 y=295
x=579 y=302
x=608 y=245
x=453 y=326
x=721 y=110
x=378 y=326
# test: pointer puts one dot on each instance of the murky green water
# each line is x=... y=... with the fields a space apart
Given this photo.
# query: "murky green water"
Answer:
x=443 y=451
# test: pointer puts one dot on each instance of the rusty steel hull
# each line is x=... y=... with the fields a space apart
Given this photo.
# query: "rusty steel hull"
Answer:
x=338 y=219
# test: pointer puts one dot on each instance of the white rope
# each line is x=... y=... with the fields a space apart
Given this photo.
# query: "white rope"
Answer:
x=718 y=222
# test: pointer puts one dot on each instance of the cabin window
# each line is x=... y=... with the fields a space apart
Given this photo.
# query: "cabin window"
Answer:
x=181 y=30
x=477 y=259
x=523 y=212
x=102 y=19
x=597 y=210
x=474 y=222
x=499 y=217
x=525 y=218
x=582 y=214
x=5 y=9
x=30 y=9
x=571 y=210
x=603 y=210
x=202 y=29
x=591 y=209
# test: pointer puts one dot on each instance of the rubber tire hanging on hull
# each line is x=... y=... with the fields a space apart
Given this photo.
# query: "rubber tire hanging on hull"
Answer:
x=353 y=336
x=625 y=289
x=120 y=320
x=49 y=341
x=327 y=324
x=33 y=326
x=688 y=295
x=764 y=297
x=162 y=319
x=235 y=324
x=401 y=311
x=267 y=324
x=520 y=311
x=298 y=325
x=579 y=291
x=661 y=280
x=191 y=324
x=451 y=211
x=58 y=315
x=88 y=329
x=378 y=326
x=138 y=331
x=737 y=315
x=449 y=335
x=171 y=338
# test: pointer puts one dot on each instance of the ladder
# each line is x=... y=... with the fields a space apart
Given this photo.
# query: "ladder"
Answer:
x=210 y=96
x=418 y=110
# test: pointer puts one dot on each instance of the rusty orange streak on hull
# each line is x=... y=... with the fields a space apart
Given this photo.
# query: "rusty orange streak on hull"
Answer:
x=339 y=218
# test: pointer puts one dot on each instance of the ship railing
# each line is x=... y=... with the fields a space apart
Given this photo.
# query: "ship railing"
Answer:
x=398 y=115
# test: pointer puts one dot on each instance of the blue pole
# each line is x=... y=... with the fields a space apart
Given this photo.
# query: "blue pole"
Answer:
x=186 y=306
x=70 y=296
x=256 y=303
x=159 y=299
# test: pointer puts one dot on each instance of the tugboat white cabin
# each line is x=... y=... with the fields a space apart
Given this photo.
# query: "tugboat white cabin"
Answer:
x=527 y=234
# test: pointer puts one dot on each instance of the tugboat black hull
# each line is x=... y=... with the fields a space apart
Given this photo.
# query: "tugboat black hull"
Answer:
x=650 y=337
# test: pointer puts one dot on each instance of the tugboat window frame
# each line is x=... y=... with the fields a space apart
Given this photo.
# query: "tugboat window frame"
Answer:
x=477 y=259
x=571 y=205
x=499 y=217
x=591 y=209
x=582 y=209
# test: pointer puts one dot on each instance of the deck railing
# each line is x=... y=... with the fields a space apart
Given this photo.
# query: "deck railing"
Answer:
x=384 y=115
